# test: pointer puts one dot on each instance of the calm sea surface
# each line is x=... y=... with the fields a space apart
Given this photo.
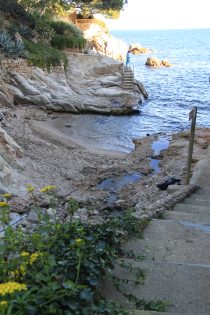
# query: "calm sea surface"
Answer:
x=172 y=91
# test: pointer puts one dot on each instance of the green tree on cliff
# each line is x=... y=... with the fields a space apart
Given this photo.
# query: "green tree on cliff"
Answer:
x=85 y=6
x=107 y=7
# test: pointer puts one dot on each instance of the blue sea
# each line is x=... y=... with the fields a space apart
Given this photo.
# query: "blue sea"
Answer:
x=172 y=91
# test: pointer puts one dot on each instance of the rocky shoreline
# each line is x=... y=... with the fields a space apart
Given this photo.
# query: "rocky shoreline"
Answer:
x=35 y=149
x=90 y=84
x=105 y=184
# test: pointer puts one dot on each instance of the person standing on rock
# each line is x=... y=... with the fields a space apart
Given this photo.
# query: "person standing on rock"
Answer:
x=128 y=57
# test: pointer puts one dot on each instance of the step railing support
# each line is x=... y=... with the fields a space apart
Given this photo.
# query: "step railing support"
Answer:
x=192 y=117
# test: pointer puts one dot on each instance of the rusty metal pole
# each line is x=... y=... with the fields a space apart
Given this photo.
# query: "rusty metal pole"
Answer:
x=192 y=116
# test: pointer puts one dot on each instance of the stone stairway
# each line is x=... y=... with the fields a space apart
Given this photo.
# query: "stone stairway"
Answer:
x=177 y=256
x=128 y=80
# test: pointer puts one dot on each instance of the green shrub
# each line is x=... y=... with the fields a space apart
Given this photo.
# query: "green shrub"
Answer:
x=43 y=28
x=56 y=268
x=65 y=41
x=64 y=28
x=43 y=56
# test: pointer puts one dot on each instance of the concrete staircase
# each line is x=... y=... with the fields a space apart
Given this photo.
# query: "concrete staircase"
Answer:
x=128 y=79
x=177 y=257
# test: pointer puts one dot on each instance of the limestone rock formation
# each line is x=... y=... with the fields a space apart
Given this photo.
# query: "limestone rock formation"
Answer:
x=137 y=49
x=6 y=97
x=90 y=84
x=10 y=159
x=155 y=62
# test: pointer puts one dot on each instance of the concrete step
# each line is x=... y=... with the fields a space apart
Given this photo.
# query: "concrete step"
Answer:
x=188 y=250
x=173 y=230
x=203 y=181
x=191 y=208
x=186 y=216
x=195 y=200
x=205 y=190
x=185 y=287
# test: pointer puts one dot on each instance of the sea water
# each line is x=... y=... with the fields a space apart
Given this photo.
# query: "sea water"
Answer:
x=172 y=91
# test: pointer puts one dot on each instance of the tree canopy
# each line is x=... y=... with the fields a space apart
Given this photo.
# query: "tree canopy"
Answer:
x=107 y=7
x=83 y=6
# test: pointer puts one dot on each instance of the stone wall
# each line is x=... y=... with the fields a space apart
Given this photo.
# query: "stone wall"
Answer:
x=16 y=65
x=22 y=67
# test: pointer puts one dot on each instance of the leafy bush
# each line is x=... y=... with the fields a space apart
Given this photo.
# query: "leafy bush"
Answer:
x=64 y=28
x=67 y=36
x=57 y=267
x=65 y=41
x=13 y=10
x=43 y=28
x=43 y=56
x=9 y=46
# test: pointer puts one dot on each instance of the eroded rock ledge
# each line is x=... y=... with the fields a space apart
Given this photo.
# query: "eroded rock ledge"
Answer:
x=91 y=83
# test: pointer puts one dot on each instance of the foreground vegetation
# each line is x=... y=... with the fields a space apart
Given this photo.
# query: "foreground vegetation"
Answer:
x=56 y=267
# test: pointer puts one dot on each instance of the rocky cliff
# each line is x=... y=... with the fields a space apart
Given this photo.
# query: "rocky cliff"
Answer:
x=91 y=83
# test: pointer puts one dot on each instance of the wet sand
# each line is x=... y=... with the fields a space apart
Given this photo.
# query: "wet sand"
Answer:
x=58 y=128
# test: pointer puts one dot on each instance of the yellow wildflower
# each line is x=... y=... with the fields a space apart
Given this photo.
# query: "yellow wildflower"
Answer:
x=7 y=195
x=10 y=287
x=79 y=242
x=47 y=189
x=12 y=274
x=33 y=258
x=3 y=303
x=24 y=254
x=3 y=204
x=22 y=270
x=30 y=188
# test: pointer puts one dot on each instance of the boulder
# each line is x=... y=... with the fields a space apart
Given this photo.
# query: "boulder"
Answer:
x=155 y=62
x=166 y=63
x=137 y=49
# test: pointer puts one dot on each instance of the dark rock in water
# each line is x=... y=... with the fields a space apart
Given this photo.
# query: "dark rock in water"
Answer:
x=169 y=181
x=68 y=126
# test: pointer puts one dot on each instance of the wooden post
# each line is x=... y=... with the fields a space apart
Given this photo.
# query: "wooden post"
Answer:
x=192 y=116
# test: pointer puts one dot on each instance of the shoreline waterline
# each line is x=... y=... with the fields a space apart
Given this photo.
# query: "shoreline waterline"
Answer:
x=57 y=129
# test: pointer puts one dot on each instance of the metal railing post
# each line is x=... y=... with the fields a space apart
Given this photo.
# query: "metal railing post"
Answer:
x=192 y=116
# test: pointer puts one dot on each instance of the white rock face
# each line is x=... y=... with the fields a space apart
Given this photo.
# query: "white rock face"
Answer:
x=6 y=97
x=92 y=83
x=10 y=155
